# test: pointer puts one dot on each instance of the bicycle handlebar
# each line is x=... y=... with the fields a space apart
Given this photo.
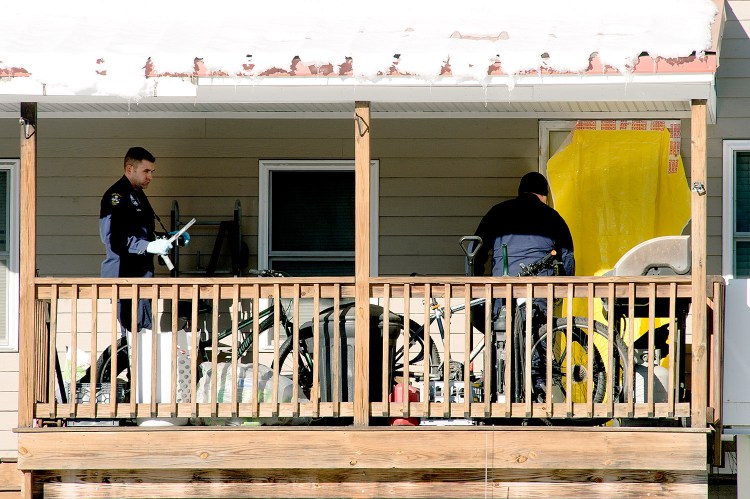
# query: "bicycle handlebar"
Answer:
x=532 y=269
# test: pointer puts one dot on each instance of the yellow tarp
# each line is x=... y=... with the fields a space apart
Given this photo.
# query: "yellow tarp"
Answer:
x=615 y=190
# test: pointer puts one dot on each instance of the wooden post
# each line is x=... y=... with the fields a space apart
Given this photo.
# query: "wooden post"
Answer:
x=26 y=350
x=26 y=368
x=362 y=263
x=699 y=375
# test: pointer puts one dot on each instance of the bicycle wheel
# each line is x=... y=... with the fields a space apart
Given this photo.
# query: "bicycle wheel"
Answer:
x=579 y=357
x=304 y=360
x=416 y=352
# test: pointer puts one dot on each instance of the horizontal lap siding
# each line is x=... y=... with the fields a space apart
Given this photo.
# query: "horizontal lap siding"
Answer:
x=437 y=178
x=432 y=192
x=204 y=164
x=733 y=116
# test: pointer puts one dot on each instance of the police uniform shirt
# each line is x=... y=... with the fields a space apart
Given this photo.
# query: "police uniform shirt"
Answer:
x=126 y=226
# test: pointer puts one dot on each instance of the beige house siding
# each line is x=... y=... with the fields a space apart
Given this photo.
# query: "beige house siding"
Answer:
x=733 y=115
x=438 y=177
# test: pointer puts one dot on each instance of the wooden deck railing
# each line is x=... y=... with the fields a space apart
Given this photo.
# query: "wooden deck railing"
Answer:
x=640 y=366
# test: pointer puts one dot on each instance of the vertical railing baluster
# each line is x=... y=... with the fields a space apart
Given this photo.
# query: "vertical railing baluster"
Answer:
x=489 y=348
x=612 y=368
x=427 y=347
x=315 y=394
x=569 y=352
x=154 y=348
x=215 y=350
x=93 y=385
x=549 y=344
x=194 y=358
x=717 y=353
x=407 y=342
x=254 y=401
x=672 y=345
x=447 y=357
x=235 y=354
x=174 y=372
x=591 y=348
x=41 y=380
x=385 y=378
x=630 y=386
x=74 y=351
x=509 y=345
x=115 y=333
x=336 y=383
x=276 y=346
x=53 y=358
x=528 y=340
x=133 y=367
x=650 y=385
x=468 y=392
x=295 y=351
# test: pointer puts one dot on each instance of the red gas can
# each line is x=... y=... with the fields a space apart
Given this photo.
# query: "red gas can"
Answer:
x=397 y=395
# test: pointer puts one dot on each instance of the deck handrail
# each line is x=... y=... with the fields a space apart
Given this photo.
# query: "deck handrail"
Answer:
x=68 y=323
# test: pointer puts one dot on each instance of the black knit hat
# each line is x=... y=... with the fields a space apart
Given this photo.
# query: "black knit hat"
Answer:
x=533 y=182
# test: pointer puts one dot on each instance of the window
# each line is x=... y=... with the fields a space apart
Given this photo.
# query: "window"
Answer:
x=306 y=222
x=306 y=219
x=9 y=236
x=736 y=216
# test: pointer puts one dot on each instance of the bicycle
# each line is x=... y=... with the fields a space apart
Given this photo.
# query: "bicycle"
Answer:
x=305 y=347
x=559 y=349
x=266 y=317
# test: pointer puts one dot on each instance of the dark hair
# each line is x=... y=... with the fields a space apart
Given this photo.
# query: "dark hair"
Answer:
x=533 y=182
x=138 y=154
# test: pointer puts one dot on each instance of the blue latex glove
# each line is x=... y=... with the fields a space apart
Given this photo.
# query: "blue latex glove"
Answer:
x=183 y=240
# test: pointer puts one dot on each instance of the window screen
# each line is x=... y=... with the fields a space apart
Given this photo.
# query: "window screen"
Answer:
x=4 y=254
x=742 y=212
x=311 y=229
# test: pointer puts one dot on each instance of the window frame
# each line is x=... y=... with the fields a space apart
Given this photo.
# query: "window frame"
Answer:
x=13 y=166
x=728 y=235
x=266 y=167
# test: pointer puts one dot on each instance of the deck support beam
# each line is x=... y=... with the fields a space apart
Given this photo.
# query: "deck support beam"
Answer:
x=699 y=375
x=382 y=462
x=362 y=262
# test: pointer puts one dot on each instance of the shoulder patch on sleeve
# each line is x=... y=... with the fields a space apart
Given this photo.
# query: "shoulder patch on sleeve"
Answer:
x=115 y=199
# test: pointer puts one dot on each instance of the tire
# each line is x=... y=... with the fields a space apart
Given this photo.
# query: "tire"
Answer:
x=416 y=352
x=104 y=366
x=580 y=359
x=304 y=365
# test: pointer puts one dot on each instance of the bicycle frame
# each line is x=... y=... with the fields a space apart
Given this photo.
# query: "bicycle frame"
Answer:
x=266 y=320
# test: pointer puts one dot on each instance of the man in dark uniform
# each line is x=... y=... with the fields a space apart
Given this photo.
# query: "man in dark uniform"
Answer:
x=529 y=230
x=528 y=227
x=126 y=227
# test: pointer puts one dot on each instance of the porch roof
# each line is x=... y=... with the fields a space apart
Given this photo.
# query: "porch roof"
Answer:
x=535 y=58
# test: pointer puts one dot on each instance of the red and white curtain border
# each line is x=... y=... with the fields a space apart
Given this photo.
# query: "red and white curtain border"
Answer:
x=673 y=126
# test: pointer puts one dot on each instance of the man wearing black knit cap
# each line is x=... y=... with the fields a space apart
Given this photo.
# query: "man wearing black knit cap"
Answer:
x=530 y=230
x=528 y=227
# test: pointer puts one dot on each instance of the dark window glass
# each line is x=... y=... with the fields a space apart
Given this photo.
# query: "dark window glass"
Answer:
x=742 y=191
x=742 y=258
x=312 y=211
x=4 y=210
x=314 y=267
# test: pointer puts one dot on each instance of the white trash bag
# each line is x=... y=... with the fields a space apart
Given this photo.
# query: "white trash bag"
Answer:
x=245 y=387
